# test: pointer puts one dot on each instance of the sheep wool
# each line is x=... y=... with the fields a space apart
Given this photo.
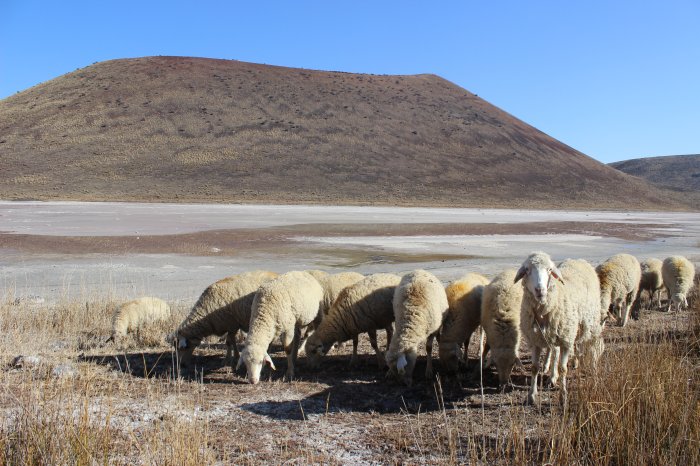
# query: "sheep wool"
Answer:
x=134 y=315
x=652 y=282
x=420 y=304
x=619 y=286
x=461 y=319
x=564 y=315
x=500 y=319
x=365 y=306
x=281 y=307
x=678 y=274
x=223 y=308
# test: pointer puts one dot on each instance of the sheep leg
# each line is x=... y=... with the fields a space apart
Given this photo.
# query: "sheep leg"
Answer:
x=429 y=351
x=380 y=354
x=554 y=358
x=532 y=394
x=563 y=363
x=411 y=357
x=291 y=348
x=353 y=358
x=389 y=335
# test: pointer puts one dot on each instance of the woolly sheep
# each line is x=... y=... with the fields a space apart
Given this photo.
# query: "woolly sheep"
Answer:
x=134 y=315
x=223 y=308
x=619 y=285
x=678 y=274
x=281 y=307
x=420 y=304
x=333 y=284
x=461 y=319
x=362 y=307
x=652 y=281
x=563 y=315
x=500 y=318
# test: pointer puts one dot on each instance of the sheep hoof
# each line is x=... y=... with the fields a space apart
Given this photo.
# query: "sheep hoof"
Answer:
x=530 y=401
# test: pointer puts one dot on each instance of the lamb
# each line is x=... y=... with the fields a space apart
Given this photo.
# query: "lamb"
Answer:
x=619 y=286
x=678 y=274
x=462 y=318
x=362 y=307
x=652 y=282
x=281 y=307
x=223 y=308
x=563 y=315
x=500 y=318
x=420 y=303
x=134 y=315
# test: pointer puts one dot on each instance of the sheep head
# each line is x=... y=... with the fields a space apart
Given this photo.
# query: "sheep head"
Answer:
x=537 y=272
x=254 y=358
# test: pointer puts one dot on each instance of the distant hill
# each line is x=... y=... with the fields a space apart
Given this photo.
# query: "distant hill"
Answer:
x=194 y=129
x=676 y=172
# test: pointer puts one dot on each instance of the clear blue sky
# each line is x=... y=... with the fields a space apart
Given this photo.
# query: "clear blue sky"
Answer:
x=613 y=79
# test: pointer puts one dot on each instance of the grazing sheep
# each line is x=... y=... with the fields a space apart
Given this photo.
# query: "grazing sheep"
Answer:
x=362 y=307
x=420 y=304
x=678 y=274
x=500 y=318
x=134 y=315
x=334 y=284
x=619 y=285
x=461 y=319
x=281 y=307
x=223 y=308
x=652 y=282
x=563 y=315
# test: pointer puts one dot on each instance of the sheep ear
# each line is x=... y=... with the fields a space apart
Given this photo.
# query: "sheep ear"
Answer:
x=401 y=363
x=268 y=360
x=521 y=273
x=557 y=274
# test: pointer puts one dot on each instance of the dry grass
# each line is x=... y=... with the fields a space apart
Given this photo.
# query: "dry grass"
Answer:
x=123 y=405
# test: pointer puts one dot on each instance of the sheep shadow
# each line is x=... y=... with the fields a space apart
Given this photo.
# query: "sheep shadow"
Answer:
x=372 y=392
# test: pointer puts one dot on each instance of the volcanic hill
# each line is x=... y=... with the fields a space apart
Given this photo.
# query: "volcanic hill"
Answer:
x=675 y=172
x=204 y=130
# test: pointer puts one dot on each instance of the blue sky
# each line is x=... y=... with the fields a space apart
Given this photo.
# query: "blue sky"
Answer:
x=613 y=79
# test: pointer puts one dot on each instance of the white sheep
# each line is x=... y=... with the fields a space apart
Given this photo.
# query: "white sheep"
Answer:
x=134 y=315
x=461 y=319
x=281 y=307
x=333 y=284
x=223 y=308
x=619 y=286
x=420 y=304
x=652 y=282
x=365 y=306
x=678 y=274
x=500 y=318
x=560 y=308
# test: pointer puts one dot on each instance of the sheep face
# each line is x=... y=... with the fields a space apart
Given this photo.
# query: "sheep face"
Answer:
x=184 y=347
x=450 y=357
x=254 y=361
x=537 y=273
x=315 y=350
x=680 y=300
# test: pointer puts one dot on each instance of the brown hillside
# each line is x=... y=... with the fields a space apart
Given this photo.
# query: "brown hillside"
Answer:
x=192 y=129
x=676 y=172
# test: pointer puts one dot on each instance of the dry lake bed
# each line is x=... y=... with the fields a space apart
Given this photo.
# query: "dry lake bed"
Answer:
x=53 y=249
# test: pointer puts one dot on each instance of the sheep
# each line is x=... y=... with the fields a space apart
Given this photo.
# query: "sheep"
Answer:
x=461 y=319
x=563 y=315
x=678 y=274
x=500 y=318
x=652 y=281
x=334 y=284
x=281 y=307
x=420 y=303
x=619 y=286
x=223 y=308
x=362 y=307
x=134 y=315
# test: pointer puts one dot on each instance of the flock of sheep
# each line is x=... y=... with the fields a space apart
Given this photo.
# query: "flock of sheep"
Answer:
x=561 y=309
